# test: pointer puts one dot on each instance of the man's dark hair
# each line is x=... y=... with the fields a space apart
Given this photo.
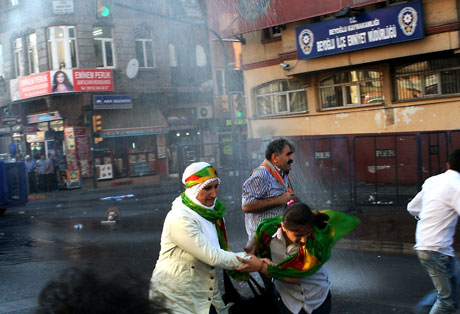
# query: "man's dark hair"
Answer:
x=87 y=290
x=454 y=160
x=276 y=147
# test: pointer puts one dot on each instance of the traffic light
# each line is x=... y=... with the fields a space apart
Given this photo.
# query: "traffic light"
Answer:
x=97 y=127
x=240 y=111
x=103 y=9
x=98 y=140
x=97 y=123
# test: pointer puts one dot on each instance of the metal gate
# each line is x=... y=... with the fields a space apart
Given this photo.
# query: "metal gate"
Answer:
x=322 y=171
x=385 y=169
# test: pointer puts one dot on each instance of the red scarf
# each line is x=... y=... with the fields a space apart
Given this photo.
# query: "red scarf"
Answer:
x=271 y=168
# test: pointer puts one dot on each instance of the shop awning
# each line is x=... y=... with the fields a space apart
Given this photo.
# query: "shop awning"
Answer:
x=141 y=120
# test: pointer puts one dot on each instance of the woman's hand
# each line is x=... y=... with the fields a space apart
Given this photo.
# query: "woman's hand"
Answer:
x=252 y=263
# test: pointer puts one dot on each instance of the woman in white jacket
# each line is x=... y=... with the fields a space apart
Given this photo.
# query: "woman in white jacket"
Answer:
x=193 y=243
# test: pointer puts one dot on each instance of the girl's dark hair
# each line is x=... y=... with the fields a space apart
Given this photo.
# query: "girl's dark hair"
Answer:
x=299 y=214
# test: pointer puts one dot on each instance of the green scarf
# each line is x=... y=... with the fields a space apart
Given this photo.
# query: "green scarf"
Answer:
x=311 y=256
x=215 y=216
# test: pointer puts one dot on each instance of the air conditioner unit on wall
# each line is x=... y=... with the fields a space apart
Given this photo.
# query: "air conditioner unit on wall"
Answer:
x=204 y=112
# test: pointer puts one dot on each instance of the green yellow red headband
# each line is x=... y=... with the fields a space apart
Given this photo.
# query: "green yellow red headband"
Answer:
x=202 y=175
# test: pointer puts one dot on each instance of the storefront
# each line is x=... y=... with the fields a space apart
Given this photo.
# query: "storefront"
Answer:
x=134 y=144
x=47 y=134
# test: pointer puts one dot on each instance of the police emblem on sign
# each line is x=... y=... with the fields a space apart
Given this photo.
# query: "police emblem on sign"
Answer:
x=306 y=40
x=407 y=20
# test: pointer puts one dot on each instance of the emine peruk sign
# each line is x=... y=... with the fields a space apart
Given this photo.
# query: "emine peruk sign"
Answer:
x=75 y=80
x=394 y=24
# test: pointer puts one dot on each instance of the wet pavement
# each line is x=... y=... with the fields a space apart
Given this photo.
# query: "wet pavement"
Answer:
x=39 y=240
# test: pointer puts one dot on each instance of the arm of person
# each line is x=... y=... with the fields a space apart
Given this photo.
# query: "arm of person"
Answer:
x=187 y=234
x=263 y=204
x=261 y=265
x=415 y=205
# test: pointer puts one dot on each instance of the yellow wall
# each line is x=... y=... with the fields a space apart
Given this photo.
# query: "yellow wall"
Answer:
x=408 y=118
x=422 y=115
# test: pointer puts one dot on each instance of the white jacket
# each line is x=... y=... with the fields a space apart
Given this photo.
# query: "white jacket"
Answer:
x=184 y=275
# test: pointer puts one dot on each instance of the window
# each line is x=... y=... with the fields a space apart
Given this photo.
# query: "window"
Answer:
x=18 y=57
x=172 y=55
x=281 y=97
x=103 y=42
x=272 y=33
x=32 y=53
x=14 y=3
x=429 y=78
x=351 y=88
x=62 y=47
x=2 y=67
x=144 y=49
x=200 y=55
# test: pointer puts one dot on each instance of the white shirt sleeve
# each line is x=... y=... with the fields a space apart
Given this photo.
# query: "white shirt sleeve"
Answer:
x=187 y=235
x=456 y=202
x=415 y=206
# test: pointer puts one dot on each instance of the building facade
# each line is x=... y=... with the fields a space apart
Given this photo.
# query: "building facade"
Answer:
x=369 y=90
x=137 y=67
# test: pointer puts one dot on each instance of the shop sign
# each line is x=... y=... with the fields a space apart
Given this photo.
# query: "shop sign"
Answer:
x=112 y=102
x=236 y=122
x=76 y=80
x=133 y=132
x=10 y=120
x=35 y=138
x=34 y=85
x=395 y=24
x=16 y=128
x=6 y=130
x=93 y=80
x=43 y=117
x=30 y=129
x=62 y=7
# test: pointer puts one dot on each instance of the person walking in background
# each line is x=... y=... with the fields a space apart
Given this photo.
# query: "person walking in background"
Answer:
x=88 y=290
x=193 y=243
x=50 y=172
x=31 y=174
x=267 y=190
x=436 y=207
x=41 y=171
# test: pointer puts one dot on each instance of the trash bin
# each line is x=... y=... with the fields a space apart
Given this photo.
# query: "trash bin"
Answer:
x=13 y=188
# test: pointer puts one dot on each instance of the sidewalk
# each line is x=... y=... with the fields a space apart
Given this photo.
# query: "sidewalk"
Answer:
x=138 y=188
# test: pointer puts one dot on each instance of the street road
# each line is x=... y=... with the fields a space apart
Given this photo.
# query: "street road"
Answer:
x=39 y=240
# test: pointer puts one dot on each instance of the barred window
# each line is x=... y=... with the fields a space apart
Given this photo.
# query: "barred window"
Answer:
x=428 y=78
x=280 y=97
x=351 y=88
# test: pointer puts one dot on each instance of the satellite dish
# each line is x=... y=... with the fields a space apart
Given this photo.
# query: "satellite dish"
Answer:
x=132 y=68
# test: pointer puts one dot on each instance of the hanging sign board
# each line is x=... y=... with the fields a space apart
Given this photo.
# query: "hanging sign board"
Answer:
x=112 y=102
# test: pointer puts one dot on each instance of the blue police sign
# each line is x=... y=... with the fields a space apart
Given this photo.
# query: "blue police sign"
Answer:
x=390 y=25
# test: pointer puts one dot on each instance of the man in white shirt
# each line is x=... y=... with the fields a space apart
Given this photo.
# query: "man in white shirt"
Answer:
x=437 y=208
